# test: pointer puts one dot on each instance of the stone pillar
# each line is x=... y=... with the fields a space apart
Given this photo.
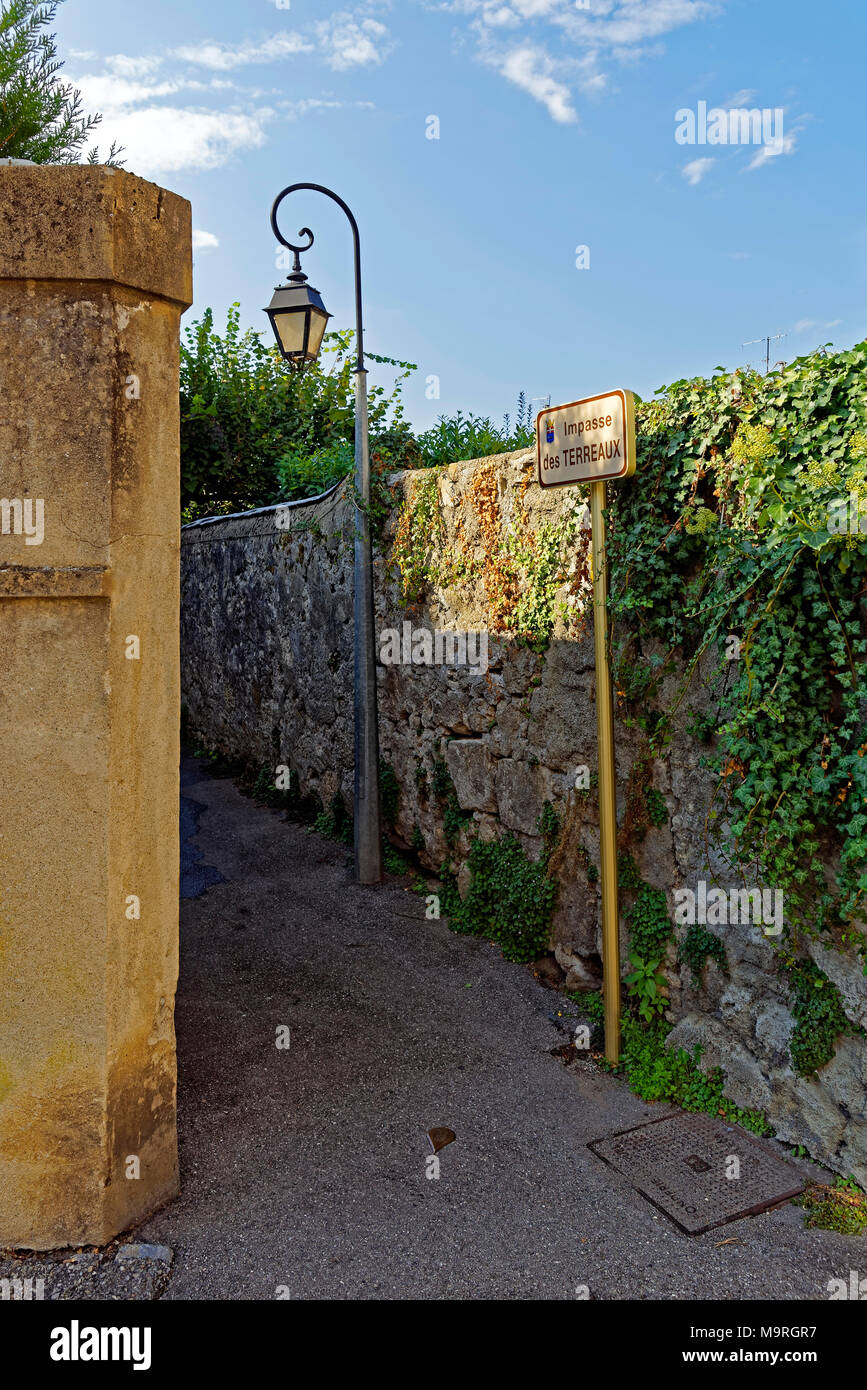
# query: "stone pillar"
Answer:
x=95 y=271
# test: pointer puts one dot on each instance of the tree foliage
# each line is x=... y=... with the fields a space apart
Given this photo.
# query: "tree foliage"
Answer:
x=254 y=431
x=41 y=117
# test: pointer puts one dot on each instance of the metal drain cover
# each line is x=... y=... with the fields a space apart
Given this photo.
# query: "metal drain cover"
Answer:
x=700 y=1170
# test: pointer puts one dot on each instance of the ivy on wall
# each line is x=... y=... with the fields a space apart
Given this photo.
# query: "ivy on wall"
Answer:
x=740 y=533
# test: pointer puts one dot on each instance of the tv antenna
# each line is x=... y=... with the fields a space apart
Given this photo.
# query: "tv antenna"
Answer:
x=767 y=340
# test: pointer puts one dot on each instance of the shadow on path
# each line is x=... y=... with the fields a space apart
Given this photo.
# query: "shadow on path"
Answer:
x=305 y=1169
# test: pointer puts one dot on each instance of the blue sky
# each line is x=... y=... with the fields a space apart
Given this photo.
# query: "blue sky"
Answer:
x=557 y=125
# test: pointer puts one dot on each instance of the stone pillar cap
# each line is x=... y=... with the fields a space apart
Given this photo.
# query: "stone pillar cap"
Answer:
x=84 y=222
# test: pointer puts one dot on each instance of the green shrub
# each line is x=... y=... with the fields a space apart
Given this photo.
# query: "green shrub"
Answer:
x=254 y=431
x=303 y=474
x=460 y=436
x=510 y=899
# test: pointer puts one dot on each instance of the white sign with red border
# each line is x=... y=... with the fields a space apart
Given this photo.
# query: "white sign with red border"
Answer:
x=586 y=441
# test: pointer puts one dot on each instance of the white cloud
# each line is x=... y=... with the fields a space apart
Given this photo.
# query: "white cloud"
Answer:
x=124 y=66
x=300 y=108
x=634 y=21
x=586 y=40
x=803 y=324
x=112 y=95
x=224 y=57
x=501 y=16
x=765 y=153
x=161 y=135
x=348 y=41
x=696 y=169
x=165 y=139
x=204 y=241
x=532 y=70
x=745 y=97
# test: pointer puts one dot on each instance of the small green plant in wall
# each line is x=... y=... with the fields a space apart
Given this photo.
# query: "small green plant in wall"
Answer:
x=510 y=899
x=454 y=816
x=697 y=948
x=659 y=1073
x=647 y=985
x=819 y=1017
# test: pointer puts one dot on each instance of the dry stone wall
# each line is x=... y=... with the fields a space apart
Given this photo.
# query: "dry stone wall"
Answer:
x=267 y=671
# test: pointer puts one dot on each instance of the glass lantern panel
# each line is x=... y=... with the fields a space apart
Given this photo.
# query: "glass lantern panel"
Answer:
x=290 y=329
x=318 y=320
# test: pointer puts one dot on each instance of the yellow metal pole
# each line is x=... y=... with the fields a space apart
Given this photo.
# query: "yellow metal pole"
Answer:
x=607 y=786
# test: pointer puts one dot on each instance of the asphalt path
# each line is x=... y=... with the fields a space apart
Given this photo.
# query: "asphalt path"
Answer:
x=306 y=1169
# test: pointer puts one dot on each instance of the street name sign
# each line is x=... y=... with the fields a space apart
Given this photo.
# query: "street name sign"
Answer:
x=593 y=441
x=586 y=441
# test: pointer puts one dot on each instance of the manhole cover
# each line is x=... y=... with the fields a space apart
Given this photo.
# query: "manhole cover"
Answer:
x=700 y=1170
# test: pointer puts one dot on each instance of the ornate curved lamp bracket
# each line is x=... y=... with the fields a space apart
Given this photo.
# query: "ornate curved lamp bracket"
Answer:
x=306 y=232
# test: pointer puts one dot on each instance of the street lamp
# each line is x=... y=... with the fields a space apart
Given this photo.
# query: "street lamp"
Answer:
x=298 y=318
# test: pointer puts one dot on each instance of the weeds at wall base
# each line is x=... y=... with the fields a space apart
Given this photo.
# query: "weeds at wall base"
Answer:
x=841 y=1207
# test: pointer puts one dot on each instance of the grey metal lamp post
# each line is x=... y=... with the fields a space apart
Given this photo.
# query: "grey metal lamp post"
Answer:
x=299 y=318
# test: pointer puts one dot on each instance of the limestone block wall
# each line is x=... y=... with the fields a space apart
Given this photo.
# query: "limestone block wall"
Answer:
x=95 y=270
x=267 y=678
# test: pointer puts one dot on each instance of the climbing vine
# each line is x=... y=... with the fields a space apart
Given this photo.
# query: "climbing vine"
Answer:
x=742 y=534
x=454 y=815
x=526 y=574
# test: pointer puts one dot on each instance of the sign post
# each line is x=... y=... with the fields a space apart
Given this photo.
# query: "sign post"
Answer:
x=592 y=441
